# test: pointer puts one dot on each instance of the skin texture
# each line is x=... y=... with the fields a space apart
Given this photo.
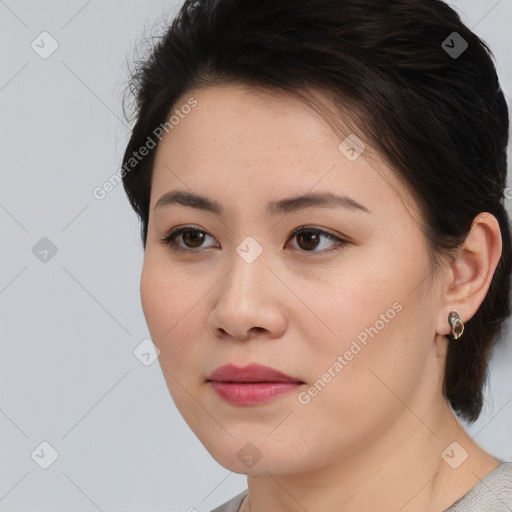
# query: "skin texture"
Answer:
x=372 y=438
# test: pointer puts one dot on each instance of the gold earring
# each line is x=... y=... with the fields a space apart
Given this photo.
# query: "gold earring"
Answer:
x=457 y=324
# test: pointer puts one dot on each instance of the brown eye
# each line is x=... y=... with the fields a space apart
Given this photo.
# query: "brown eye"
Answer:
x=309 y=239
x=191 y=238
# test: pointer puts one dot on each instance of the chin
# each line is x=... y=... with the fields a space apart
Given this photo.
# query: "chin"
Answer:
x=240 y=455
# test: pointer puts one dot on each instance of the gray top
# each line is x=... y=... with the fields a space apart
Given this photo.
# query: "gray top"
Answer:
x=493 y=492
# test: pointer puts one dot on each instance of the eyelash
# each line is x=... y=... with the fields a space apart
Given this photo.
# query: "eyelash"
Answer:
x=170 y=239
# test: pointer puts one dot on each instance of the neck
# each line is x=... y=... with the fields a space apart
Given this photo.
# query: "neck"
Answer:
x=401 y=470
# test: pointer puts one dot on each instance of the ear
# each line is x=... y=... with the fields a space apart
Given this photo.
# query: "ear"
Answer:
x=469 y=276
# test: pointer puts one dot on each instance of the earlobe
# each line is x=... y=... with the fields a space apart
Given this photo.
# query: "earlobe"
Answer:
x=471 y=274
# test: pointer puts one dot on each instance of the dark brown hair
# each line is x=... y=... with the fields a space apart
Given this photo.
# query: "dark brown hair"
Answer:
x=437 y=116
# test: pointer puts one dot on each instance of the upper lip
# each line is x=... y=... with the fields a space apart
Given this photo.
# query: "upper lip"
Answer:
x=253 y=372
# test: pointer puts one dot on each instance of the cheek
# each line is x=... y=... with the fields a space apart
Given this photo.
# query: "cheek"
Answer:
x=155 y=294
x=171 y=318
x=377 y=337
x=164 y=296
x=170 y=308
x=346 y=307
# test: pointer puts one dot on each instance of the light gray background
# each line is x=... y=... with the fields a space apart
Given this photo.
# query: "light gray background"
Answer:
x=70 y=325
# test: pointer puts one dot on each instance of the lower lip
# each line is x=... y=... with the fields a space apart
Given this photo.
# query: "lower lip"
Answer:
x=252 y=393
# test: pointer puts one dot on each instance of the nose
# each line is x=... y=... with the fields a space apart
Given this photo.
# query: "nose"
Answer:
x=248 y=302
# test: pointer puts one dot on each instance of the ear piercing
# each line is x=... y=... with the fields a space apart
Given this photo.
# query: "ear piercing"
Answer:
x=457 y=324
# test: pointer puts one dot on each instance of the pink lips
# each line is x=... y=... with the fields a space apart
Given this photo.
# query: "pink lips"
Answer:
x=252 y=384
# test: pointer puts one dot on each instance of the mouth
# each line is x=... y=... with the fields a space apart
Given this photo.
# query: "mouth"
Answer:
x=251 y=385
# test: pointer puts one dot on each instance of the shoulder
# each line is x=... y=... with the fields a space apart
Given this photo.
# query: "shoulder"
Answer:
x=493 y=492
x=233 y=504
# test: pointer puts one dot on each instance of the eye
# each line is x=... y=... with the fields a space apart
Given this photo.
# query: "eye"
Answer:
x=192 y=238
x=310 y=238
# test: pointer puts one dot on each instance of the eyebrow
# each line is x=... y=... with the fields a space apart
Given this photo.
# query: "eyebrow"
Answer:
x=288 y=205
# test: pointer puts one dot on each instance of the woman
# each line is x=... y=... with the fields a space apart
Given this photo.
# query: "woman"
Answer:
x=327 y=252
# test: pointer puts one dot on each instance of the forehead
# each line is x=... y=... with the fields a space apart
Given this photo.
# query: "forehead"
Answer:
x=261 y=141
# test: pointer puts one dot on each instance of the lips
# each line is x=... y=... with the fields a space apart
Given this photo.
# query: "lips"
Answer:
x=254 y=384
x=251 y=373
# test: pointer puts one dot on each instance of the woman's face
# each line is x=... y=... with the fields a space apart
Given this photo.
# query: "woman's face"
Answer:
x=352 y=321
